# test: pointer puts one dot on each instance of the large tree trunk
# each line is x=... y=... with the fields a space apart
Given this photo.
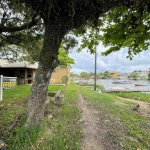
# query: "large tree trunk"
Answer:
x=47 y=62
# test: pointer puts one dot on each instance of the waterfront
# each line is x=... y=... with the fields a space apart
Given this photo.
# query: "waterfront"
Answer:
x=108 y=84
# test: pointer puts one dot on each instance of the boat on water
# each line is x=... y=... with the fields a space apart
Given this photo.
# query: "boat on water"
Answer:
x=140 y=84
x=122 y=82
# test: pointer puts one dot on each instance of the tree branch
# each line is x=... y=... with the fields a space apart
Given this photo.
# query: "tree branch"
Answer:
x=29 y=25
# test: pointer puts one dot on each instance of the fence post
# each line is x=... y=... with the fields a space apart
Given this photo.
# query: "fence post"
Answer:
x=1 y=87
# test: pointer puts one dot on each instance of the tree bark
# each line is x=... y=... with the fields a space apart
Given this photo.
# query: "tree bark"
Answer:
x=47 y=63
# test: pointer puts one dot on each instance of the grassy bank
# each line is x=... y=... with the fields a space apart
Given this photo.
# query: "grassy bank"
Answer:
x=128 y=129
x=14 y=103
x=62 y=130
x=91 y=85
x=62 y=126
x=134 y=95
x=13 y=107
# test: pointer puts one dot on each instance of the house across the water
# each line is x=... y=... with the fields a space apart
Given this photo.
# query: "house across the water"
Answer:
x=114 y=74
x=25 y=72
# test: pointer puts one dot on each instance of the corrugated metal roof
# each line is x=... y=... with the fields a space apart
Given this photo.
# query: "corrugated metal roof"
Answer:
x=23 y=64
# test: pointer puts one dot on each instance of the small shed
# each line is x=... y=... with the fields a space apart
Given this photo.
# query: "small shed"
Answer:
x=24 y=71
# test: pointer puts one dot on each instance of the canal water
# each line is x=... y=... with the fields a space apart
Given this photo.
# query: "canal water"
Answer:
x=108 y=84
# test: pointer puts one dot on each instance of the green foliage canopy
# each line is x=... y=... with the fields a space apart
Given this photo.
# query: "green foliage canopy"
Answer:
x=63 y=57
x=123 y=23
x=84 y=75
x=126 y=28
x=134 y=75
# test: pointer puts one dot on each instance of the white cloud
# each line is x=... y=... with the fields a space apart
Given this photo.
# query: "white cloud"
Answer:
x=116 y=61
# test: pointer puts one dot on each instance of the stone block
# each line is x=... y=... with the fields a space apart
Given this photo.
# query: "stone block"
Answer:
x=59 y=98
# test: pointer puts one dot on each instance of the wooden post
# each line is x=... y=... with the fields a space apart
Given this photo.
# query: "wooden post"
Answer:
x=25 y=76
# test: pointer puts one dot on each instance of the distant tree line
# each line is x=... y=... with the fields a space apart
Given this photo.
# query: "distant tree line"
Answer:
x=91 y=75
x=135 y=75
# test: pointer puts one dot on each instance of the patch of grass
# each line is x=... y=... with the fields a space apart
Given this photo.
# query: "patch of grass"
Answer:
x=24 y=138
x=124 y=121
x=62 y=127
x=134 y=95
x=54 y=88
x=20 y=92
x=100 y=87
x=15 y=103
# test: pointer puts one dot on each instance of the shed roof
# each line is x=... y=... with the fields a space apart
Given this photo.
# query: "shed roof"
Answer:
x=3 y=62
x=23 y=64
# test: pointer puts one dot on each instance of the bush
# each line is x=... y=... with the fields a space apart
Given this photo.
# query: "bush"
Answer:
x=64 y=79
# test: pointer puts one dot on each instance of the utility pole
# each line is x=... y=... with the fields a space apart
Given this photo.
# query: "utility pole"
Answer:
x=95 y=68
x=95 y=61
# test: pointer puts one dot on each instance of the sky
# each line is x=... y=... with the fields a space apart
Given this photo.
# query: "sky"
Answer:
x=116 y=61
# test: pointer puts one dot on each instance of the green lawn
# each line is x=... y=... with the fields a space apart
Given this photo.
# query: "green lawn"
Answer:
x=64 y=129
x=61 y=127
x=15 y=103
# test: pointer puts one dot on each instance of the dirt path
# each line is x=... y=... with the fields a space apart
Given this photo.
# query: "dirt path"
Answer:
x=98 y=128
x=89 y=117
x=144 y=108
